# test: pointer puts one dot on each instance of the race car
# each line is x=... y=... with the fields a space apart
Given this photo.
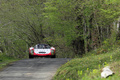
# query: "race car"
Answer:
x=42 y=50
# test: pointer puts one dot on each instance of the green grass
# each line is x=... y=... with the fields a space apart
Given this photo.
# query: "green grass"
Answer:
x=5 y=60
x=95 y=74
x=89 y=67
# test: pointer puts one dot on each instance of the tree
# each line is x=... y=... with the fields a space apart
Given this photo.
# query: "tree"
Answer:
x=25 y=24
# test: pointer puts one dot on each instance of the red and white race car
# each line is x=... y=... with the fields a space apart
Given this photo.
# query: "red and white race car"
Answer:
x=42 y=50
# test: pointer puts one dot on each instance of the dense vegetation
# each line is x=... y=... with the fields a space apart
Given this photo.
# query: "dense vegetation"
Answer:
x=90 y=67
x=73 y=27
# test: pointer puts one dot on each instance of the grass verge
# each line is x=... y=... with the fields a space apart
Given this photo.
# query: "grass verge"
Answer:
x=89 y=67
x=5 y=60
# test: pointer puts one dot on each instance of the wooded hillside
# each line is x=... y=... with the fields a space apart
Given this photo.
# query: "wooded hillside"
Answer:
x=73 y=27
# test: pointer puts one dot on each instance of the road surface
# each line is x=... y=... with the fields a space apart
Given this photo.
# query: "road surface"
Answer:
x=32 y=69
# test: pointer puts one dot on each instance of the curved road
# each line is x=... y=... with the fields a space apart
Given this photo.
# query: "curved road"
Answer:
x=32 y=69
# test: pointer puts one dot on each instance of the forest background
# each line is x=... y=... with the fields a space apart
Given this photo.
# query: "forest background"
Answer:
x=73 y=27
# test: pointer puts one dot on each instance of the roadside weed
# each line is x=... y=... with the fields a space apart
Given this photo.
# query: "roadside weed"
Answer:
x=89 y=67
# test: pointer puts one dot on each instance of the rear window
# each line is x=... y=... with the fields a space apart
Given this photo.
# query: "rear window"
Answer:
x=42 y=46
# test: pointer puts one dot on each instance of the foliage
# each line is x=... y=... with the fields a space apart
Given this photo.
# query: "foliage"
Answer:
x=72 y=26
x=89 y=67
x=21 y=26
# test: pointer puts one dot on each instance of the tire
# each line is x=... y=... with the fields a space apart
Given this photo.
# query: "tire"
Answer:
x=30 y=56
x=54 y=56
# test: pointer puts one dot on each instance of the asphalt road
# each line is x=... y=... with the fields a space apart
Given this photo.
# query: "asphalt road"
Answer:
x=32 y=69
